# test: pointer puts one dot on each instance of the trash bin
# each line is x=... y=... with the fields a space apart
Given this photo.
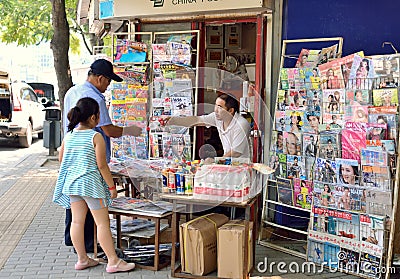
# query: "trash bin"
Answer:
x=52 y=129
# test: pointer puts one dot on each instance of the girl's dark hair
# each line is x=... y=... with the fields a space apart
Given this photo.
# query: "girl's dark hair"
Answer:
x=85 y=108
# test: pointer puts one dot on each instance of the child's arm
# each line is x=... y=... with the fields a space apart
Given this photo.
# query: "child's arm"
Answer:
x=100 y=149
x=61 y=152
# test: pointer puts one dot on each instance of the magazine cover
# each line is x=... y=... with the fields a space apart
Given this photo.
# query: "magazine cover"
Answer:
x=296 y=167
x=277 y=142
x=385 y=97
x=182 y=106
x=141 y=148
x=182 y=88
x=329 y=145
x=370 y=264
x=118 y=112
x=292 y=143
x=128 y=51
x=331 y=75
x=297 y=99
x=180 y=53
x=285 y=190
x=314 y=100
x=159 y=52
x=325 y=170
x=324 y=194
x=282 y=99
x=348 y=171
x=303 y=190
x=282 y=165
x=333 y=101
x=310 y=144
x=284 y=79
x=155 y=141
x=357 y=97
x=349 y=259
x=353 y=140
x=312 y=119
x=307 y=58
x=374 y=158
x=294 y=121
x=136 y=108
x=274 y=164
x=356 y=114
x=315 y=251
x=379 y=202
x=327 y=53
x=381 y=145
x=335 y=121
x=350 y=198
x=387 y=70
x=280 y=122
x=310 y=163
x=181 y=146
x=372 y=230
x=385 y=115
x=376 y=176
x=361 y=73
x=376 y=131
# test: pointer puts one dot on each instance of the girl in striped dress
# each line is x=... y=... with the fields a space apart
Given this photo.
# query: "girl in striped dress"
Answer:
x=85 y=183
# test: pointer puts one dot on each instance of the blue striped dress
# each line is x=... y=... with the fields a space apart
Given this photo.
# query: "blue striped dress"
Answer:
x=79 y=174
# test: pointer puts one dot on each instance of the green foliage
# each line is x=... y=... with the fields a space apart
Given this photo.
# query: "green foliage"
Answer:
x=29 y=22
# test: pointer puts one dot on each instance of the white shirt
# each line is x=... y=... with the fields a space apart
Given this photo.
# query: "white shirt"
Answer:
x=235 y=137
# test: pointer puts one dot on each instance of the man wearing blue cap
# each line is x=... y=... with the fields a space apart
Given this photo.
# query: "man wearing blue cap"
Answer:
x=100 y=74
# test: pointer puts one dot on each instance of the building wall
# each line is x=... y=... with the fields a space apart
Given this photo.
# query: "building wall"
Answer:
x=363 y=24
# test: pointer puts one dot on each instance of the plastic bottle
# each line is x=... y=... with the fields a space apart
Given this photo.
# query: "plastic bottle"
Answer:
x=180 y=182
x=165 y=181
x=171 y=181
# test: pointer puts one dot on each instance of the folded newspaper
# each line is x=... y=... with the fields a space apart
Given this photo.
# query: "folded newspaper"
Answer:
x=147 y=206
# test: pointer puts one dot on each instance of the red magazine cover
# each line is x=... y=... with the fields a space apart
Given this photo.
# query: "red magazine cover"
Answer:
x=353 y=140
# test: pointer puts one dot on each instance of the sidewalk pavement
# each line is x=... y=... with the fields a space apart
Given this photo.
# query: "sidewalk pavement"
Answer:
x=32 y=230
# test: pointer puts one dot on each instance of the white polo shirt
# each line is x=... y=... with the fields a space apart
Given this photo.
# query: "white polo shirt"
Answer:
x=235 y=137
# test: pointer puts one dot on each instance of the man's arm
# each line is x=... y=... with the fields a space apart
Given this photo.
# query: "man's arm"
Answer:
x=115 y=131
x=185 y=121
x=232 y=153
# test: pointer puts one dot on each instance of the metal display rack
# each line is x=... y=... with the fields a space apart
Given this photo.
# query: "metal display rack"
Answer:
x=291 y=229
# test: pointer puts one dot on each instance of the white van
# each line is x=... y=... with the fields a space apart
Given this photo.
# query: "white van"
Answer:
x=21 y=112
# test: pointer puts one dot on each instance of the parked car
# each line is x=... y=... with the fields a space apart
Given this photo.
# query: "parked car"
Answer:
x=21 y=112
x=45 y=92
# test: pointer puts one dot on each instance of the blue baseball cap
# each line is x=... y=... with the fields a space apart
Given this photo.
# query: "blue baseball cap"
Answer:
x=105 y=68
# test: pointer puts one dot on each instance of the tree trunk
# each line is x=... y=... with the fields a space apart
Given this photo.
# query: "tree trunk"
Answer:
x=60 y=46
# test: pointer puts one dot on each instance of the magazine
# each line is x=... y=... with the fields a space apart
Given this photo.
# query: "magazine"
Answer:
x=280 y=122
x=303 y=190
x=292 y=143
x=361 y=73
x=353 y=140
x=356 y=113
x=349 y=198
x=282 y=165
x=181 y=106
x=329 y=145
x=385 y=97
x=140 y=205
x=295 y=167
x=348 y=171
x=310 y=144
x=180 y=53
x=379 y=202
x=376 y=131
x=285 y=190
x=324 y=194
x=357 y=97
x=325 y=170
x=387 y=70
x=294 y=121
x=376 y=176
x=386 y=115
x=374 y=158
x=312 y=119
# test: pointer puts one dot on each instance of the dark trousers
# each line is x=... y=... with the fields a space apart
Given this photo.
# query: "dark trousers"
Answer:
x=88 y=233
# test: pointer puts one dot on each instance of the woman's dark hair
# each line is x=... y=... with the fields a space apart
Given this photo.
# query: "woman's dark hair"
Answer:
x=230 y=102
x=355 y=171
x=85 y=108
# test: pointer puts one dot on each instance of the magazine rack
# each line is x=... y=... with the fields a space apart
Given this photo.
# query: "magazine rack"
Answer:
x=175 y=62
x=294 y=245
x=356 y=224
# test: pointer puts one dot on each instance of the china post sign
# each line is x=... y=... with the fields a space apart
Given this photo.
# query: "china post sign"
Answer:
x=137 y=8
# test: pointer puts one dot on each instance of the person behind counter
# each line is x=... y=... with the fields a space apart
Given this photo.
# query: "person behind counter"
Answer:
x=233 y=129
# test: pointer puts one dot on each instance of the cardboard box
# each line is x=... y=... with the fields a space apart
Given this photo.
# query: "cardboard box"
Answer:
x=231 y=254
x=198 y=239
